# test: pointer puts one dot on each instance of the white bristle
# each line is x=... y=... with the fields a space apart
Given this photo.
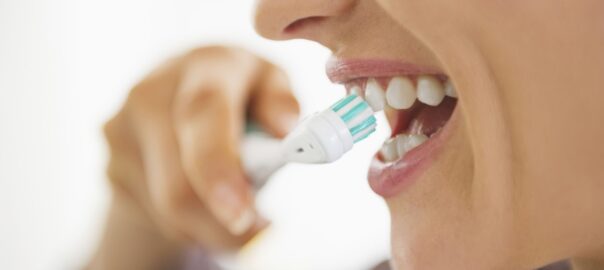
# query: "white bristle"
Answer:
x=360 y=118
x=349 y=106
x=366 y=131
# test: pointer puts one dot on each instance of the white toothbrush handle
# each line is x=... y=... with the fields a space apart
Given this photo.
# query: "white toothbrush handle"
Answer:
x=261 y=156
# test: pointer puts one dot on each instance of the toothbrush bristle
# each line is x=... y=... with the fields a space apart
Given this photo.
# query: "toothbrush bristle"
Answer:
x=364 y=134
x=343 y=102
x=357 y=115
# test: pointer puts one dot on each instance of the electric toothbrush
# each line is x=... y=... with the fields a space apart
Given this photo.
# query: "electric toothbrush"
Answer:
x=323 y=137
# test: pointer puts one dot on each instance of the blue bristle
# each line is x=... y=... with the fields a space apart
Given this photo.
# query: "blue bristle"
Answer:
x=364 y=136
x=349 y=115
x=343 y=102
x=363 y=125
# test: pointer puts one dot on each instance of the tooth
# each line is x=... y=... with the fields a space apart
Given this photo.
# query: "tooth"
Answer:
x=450 y=89
x=355 y=90
x=400 y=93
x=429 y=90
x=375 y=95
x=414 y=141
x=401 y=142
x=389 y=150
x=404 y=143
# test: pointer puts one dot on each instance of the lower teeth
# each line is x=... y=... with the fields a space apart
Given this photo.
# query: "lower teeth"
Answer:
x=397 y=147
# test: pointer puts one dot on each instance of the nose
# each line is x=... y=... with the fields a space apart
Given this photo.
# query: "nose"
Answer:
x=291 y=19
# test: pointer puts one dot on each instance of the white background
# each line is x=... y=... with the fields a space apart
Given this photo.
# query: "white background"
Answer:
x=65 y=67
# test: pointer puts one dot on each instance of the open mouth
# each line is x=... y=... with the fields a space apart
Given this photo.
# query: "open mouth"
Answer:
x=418 y=106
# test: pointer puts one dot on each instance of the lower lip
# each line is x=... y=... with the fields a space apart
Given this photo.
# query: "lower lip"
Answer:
x=389 y=179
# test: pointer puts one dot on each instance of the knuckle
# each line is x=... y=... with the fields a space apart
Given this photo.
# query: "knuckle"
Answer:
x=111 y=129
x=147 y=99
x=224 y=63
x=111 y=133
x=125 y=168
x=214 y=50
x=208 y=98
x=153 y=95
x=218 y=51
x=113 y=173
x=119 y=137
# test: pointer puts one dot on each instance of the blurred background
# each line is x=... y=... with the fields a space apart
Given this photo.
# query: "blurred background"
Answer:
x=67 y=65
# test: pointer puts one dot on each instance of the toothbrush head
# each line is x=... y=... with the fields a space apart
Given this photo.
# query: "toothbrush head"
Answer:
x=357 y=115
x=325 y=136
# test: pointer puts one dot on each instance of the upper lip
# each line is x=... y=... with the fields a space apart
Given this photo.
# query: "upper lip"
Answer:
x=344 y=70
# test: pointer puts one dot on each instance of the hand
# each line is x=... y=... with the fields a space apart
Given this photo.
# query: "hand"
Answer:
x=174 y=145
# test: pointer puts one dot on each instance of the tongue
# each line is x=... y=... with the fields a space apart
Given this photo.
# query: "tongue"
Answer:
x=428 y=120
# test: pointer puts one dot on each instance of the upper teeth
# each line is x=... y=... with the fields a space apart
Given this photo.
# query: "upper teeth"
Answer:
x=450 y=89
x=355 y=90
x=429 y=90
x=401 y=93
x=375 y=95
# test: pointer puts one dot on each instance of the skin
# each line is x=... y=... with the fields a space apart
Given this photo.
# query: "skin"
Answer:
x=517 y=186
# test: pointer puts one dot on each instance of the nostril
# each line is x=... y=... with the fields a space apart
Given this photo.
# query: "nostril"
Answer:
x=304 y=22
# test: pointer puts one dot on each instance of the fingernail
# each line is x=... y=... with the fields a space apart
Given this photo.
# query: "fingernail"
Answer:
x=243 y=224
x=230 y=209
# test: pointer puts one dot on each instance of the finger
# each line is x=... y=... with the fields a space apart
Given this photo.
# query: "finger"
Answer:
x=210 y=110
x=147 y=114
x=175 y=202
x=208 y=137
x=273 y=104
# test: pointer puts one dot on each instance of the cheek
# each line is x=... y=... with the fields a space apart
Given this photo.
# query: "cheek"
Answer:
x=439 y=21
x=434 y=218
x=421 y=14
x=448 y=220
x=464 y=214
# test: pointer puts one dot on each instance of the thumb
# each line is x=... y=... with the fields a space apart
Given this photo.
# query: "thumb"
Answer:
x=273 y=105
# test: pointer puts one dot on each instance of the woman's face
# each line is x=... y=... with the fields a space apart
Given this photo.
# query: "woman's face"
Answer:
x=512 y=175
